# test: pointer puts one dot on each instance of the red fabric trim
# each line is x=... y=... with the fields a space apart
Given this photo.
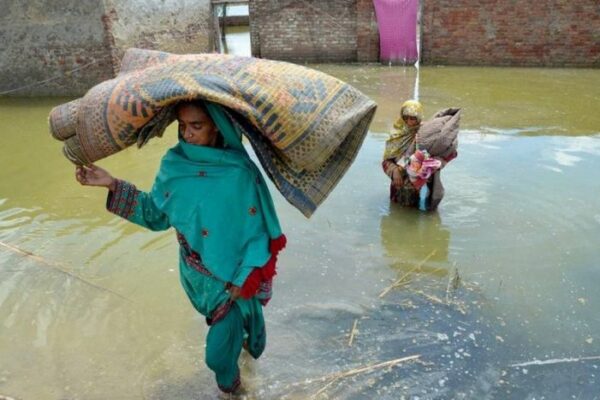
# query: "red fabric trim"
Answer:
x=234 y=386
x=266 y=273
x=451 y=157
x=219 y=313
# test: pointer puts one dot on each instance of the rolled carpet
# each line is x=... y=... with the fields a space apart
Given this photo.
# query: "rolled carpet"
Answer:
x=305 y=126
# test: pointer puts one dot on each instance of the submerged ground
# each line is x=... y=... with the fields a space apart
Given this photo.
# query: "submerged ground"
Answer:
x=91 y=308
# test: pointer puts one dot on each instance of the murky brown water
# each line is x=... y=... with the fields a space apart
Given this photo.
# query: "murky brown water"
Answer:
x=91 y=308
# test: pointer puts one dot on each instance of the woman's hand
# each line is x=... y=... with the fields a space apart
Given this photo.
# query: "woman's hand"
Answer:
x=235 y=292
x=397 y=178
x=94 y=176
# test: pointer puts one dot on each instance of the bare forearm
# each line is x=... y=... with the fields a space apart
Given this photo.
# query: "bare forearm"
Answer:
x=112 y=186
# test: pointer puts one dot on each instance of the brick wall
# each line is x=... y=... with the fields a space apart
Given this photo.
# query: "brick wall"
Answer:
x=367 y=32
x=63 y=47
x=313 y=30
x=511 y=32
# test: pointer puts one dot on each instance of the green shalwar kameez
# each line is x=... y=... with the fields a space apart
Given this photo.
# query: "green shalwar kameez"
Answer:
x=219 y=204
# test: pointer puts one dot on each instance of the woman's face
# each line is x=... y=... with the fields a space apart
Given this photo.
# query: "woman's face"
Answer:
x=195 y=126
x=411 y=121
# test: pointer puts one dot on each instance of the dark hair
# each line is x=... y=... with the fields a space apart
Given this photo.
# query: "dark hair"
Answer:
x=195 y=102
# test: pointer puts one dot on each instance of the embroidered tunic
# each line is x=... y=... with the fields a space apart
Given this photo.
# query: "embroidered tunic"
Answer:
x=228 y=234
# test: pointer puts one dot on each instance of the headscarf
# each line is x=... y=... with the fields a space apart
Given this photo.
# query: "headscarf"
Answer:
x=218 y=199
x=403 y=135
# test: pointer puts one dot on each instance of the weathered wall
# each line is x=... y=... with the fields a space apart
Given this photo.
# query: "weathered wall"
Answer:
x=511 y=32
x=367 y=32
x=42 y=42
x=314 y=30
x=63 y=47
x=50 y=47
x=177 y=26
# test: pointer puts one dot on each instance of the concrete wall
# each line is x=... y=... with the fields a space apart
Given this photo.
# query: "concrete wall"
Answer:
x=42 y=42
x=64 y=47
x=511 y=32
x=314 y=30
x=177 y=26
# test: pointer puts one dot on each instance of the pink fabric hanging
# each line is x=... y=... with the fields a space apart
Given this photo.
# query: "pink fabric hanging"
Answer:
x=397 y=20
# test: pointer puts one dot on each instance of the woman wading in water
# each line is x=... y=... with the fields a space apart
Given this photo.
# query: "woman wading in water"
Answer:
x=416 y=152
x=209 y=190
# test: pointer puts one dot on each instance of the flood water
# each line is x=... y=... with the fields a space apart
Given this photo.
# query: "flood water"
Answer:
x=91 y=306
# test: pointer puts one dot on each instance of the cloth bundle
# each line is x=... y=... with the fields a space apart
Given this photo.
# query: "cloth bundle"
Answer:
x=439 y=135
x=306 y=127
x=420 y=166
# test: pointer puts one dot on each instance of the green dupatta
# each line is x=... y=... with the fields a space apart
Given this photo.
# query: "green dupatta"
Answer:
x=218 y=199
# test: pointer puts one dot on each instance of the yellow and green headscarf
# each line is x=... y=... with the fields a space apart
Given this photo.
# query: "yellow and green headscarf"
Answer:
x=403 y=135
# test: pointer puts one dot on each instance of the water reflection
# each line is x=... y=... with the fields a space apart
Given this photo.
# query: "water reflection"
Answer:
x=414 y=238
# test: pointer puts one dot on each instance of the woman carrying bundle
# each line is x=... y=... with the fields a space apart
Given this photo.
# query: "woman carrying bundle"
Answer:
x=209 y=190
x=416 y=152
